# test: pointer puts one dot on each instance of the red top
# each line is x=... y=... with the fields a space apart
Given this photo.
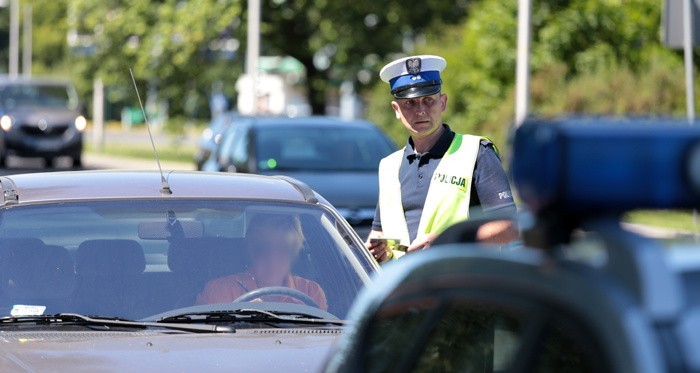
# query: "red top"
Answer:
x=228 y=288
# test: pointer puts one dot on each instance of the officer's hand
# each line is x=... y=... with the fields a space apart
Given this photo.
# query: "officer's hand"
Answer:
x=379 y=250
x=498 y=232
x=422 y=242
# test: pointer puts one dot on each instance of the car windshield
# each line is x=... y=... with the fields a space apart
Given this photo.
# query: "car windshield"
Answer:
x=45 y=95
x=320 y=148
x=135 y=259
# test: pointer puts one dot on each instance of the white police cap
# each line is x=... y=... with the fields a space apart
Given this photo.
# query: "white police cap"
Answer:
x=414 y=76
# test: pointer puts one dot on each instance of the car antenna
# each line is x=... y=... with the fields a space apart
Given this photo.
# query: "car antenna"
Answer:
x=165 y=188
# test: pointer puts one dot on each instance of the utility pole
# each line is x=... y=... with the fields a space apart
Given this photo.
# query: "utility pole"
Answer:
x=14 y=39
x=522 y=71
x=98 y=104
x=27 y=48
x=253 y=49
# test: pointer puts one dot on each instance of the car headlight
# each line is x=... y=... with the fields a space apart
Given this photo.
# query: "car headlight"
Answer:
x=80 y=123
x=6 y=122
x=207 y=134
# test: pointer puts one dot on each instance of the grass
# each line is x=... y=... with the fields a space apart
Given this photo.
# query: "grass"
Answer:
x=173 y=153
x=678 y=220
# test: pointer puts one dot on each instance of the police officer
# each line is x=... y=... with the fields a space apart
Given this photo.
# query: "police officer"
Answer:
x=433 y=181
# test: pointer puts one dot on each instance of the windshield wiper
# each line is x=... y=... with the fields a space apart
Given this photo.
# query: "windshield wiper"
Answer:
x=77 y=319
x=250 y=315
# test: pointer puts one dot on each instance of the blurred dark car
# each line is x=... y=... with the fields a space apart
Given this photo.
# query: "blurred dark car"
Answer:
x=212 y=136
x=103 y=271
x=582 y=293
x=337 y=158
x=40 y=117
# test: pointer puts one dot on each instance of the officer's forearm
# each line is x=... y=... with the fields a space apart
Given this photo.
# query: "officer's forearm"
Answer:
x=497 y=232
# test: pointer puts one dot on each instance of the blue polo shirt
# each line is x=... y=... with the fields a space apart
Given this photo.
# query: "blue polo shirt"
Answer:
x=490 y=188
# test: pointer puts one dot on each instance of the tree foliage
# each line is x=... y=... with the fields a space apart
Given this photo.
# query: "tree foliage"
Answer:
x=588 y=56
x=166 y=43
x=346 y=40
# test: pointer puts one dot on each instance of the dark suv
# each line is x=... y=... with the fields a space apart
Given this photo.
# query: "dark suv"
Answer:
x=40 y=118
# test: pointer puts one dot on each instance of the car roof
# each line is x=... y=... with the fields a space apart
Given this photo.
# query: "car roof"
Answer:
x=113 y=184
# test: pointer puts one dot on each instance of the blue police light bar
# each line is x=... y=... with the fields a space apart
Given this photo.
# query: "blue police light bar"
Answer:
x=605 y=165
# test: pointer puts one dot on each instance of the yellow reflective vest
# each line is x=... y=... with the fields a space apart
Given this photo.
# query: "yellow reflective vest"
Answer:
x=447 y=201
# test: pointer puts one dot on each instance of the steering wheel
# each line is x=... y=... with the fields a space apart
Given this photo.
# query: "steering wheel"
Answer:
x=277 y=290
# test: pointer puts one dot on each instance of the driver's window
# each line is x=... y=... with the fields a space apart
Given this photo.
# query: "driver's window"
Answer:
x=433 y=334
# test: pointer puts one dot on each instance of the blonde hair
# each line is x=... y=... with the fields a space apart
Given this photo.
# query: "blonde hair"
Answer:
x=263 y=223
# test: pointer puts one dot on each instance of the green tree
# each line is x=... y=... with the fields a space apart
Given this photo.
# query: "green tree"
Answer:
x=588 y=56
x=347 y=40
x=166 y=43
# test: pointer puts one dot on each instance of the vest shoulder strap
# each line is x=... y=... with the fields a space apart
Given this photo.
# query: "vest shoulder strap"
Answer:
x=391 y=211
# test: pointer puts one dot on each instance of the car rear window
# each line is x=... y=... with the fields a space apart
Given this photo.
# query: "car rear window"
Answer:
x=320 y=148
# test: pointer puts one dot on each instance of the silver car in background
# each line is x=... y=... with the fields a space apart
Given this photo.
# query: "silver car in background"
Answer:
x=337 y=158
x=103 y=271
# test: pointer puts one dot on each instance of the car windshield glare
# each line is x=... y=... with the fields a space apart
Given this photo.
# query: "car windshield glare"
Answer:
x=320 y=149
x=135 y=259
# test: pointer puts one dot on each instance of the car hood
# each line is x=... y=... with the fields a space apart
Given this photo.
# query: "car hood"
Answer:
x=342 y=189
x=288 y=350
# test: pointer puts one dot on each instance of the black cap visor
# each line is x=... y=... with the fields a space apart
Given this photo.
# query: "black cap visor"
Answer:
x=418 y=90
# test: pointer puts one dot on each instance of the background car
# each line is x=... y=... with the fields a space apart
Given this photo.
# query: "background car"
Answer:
x=337 y=158
x=212 y=136
x=100 y=270
x=582 y=293
x=40 y=117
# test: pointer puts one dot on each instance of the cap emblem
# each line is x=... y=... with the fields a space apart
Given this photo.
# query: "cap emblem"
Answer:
x=413 y=65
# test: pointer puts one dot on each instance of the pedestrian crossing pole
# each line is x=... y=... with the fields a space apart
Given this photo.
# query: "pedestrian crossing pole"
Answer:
x=689 y=81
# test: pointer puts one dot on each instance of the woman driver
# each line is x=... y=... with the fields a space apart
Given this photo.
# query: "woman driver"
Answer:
x=273 y=243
